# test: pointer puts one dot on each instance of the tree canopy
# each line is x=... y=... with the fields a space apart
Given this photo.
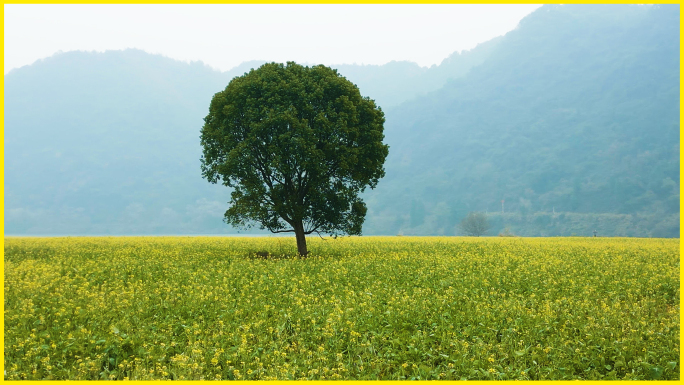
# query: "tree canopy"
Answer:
x=297 y=145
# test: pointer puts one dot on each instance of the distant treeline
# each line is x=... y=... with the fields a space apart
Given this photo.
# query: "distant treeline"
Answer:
x=550 y=224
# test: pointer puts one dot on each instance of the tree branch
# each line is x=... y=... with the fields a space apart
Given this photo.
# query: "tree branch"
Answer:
x=283 y=231
x=314 y=230
x=317 y=232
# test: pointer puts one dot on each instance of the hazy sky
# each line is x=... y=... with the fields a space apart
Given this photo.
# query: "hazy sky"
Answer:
x=223 y=36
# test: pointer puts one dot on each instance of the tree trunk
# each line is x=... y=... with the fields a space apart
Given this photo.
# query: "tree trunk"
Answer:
x=301 y=239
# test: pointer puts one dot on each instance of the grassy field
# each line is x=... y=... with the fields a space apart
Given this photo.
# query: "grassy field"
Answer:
x=143 y=308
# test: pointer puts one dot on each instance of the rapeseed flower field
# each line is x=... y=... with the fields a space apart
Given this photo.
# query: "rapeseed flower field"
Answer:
x=143 y=308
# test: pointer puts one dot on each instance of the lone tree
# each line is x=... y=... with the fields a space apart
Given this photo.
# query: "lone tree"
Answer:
x=297 y=145
x=475 y=224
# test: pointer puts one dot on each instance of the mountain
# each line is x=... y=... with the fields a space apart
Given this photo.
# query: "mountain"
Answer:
x=572 y=119
x=399 y=81
x=576 y=111
x=100 y=143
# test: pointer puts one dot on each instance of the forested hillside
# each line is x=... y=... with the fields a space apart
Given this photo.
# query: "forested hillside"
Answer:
x=572 y=119
x=106 y=143
x=400 y=81
x=576 y=111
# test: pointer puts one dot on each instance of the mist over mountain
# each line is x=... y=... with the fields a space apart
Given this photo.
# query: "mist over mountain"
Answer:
x=572 y=119
x=576 y=111
x=398 y=81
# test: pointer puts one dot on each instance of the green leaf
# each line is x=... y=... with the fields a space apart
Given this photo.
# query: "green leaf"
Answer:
x=655 y=372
